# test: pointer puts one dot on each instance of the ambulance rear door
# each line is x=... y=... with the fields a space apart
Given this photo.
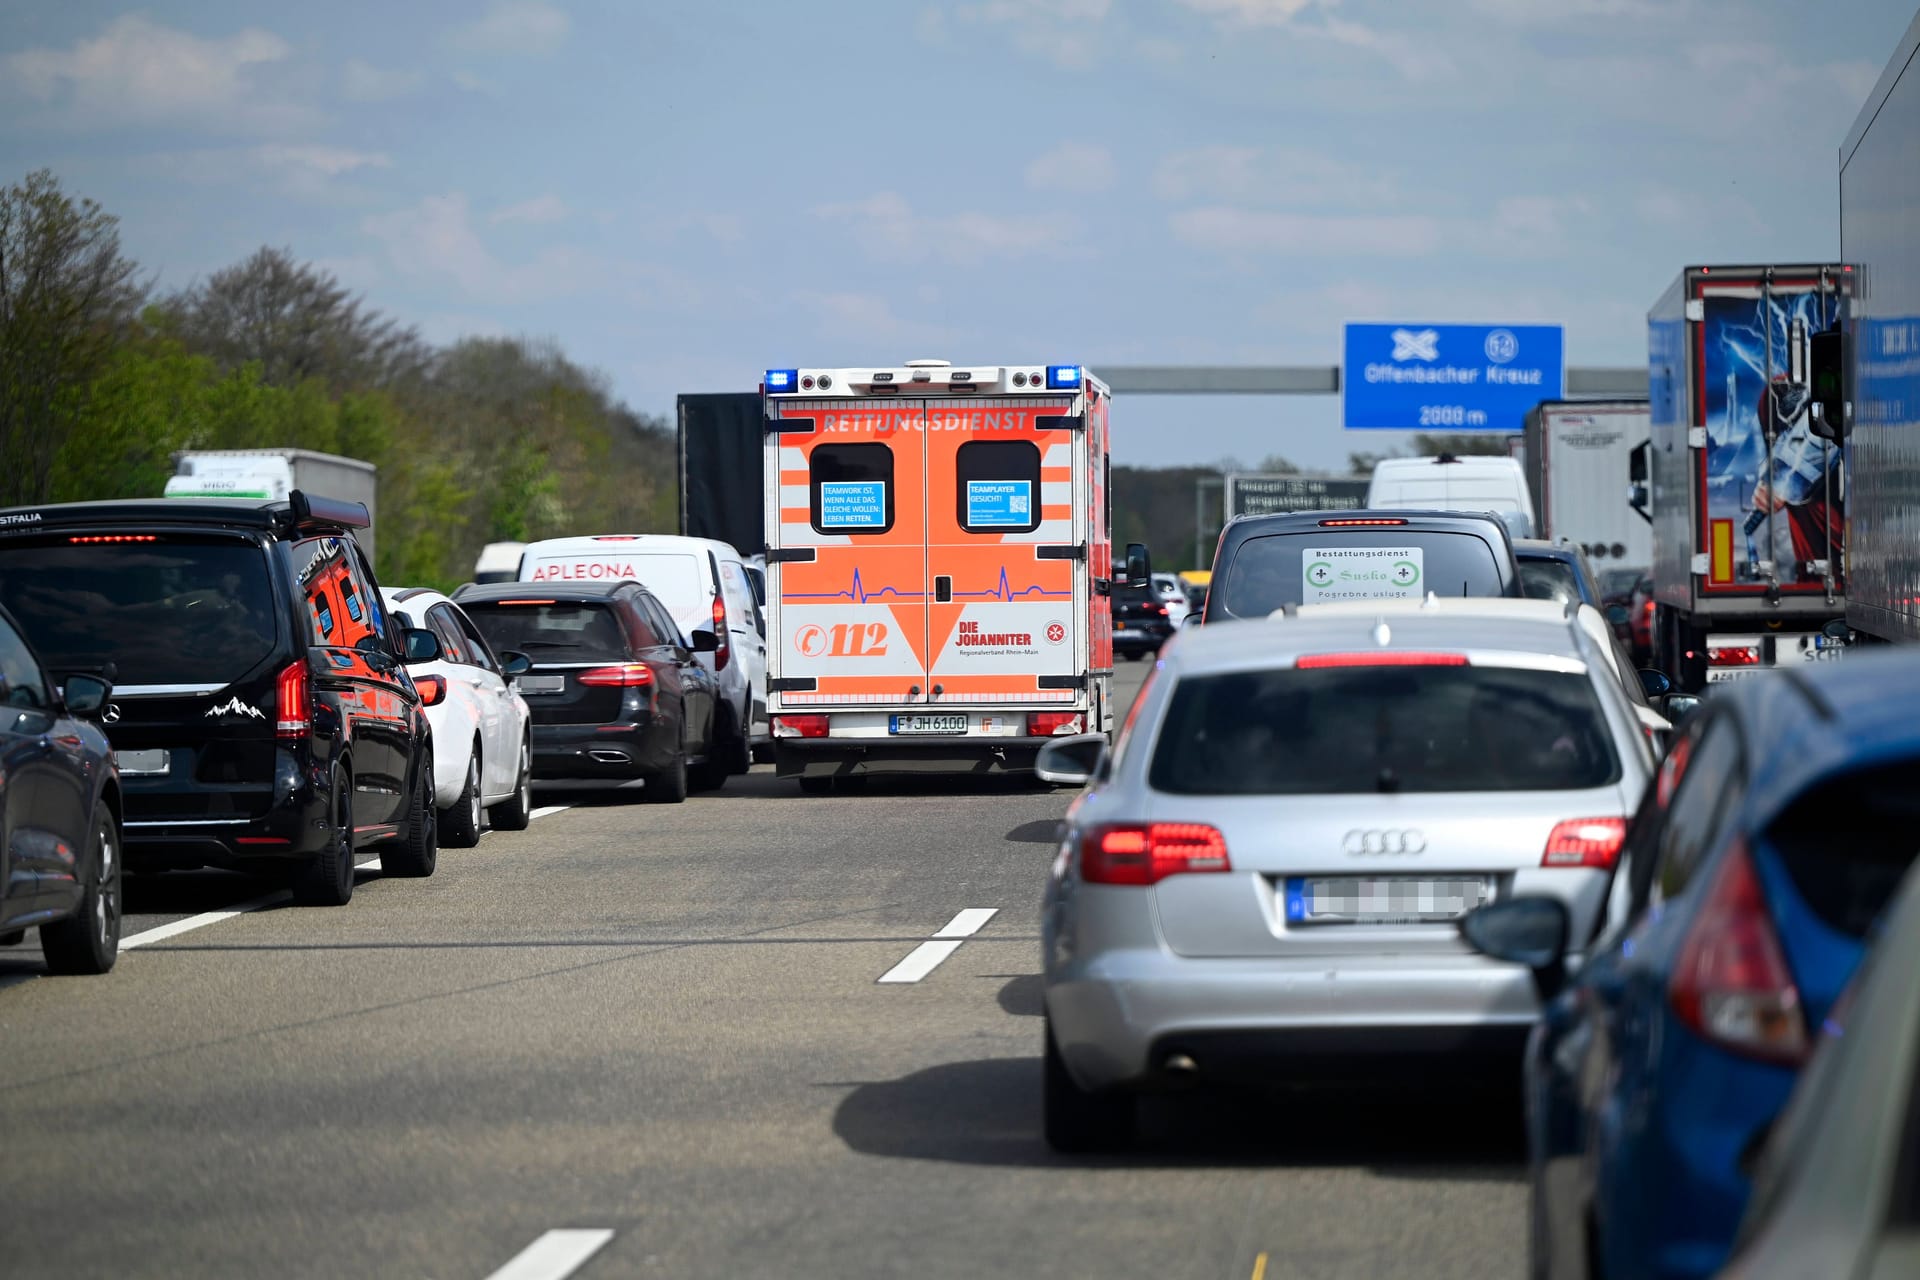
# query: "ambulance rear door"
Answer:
x=1006 y=543
x=848 y=580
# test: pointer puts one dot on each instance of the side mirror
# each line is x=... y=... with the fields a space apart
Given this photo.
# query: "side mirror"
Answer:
x=1193 y=619
x=1827 y=412
x=432 y=689
x=1639 y=491
x=515 y=664
x=1678 y=706
x=1139 y=565
x=422 y=645
x=704 y=642
x=1619 y=615
x=1526 y=931
x=1071 y=761
x=85 y=695
x=1655 y=684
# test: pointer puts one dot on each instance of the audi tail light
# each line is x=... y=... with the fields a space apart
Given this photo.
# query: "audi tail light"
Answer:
x=1380 y=658
x=627 y=675
x=1585 y=842
x=723 y=642
x=1147 y=854
x=800 y=726
x=293 y=696
x=1045 y=724
x=1731 y=983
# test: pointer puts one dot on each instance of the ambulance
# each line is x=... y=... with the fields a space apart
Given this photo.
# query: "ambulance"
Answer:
x=938 y=566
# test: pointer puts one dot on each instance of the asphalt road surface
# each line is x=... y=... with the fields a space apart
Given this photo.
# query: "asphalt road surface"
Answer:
x=639 y=1041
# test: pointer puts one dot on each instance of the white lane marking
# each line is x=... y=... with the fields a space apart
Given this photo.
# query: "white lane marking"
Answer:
x=552 y=808
x=174 y=928
x=926 y=957
x=921 y=961
x=555 y=1255
x=968 y=922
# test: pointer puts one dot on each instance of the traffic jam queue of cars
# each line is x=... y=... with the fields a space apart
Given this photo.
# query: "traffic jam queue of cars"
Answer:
x=1391 y=799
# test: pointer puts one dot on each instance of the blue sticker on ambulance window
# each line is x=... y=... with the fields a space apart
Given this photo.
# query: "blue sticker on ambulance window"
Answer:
x=853 y=504
x=1000 y=502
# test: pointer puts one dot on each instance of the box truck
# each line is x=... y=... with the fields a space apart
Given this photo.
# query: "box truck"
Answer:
x=271 y=474
x=1578 y=459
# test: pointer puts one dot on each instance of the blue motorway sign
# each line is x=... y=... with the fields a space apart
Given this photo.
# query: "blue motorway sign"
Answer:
x=1449 y=377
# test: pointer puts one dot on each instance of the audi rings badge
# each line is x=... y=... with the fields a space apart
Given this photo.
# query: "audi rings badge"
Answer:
x=1378 y=842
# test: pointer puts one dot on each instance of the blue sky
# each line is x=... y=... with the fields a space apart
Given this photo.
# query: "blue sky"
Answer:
x=684 y=195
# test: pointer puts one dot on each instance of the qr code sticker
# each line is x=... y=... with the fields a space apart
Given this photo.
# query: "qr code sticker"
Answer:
x=1017 y=504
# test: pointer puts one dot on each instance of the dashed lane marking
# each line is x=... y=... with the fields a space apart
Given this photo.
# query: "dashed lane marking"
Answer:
x=927 y=957
x=550 y=809
x=555 y=1255
x=174 y=928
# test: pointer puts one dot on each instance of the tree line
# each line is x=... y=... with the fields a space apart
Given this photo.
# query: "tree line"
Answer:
x=103 y=379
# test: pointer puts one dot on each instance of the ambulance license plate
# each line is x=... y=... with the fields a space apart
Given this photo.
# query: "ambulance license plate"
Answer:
x=927 y=724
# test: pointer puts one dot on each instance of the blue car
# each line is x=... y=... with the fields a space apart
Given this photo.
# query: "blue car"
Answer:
x=1774 y=834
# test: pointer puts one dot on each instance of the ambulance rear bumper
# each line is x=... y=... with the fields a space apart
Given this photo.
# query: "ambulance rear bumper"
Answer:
x=854 y=757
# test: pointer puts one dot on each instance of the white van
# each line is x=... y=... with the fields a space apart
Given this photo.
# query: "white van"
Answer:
x=705 y=585
x=499 y=562
x=1449 y=483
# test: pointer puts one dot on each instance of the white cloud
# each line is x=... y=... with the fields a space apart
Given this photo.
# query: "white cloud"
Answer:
x=869 y=320
x=139 y=72
x=1413 y=58
x=436 y=238
x=1546 y=12
x=1066 y=33
x=1230 y=229
x=1531 y=225
x=537 y=211
x=364 y=82
x=1283 y=174
x=1261 y=13
x=1071 y=166
x=890 y=225
x=515 y=26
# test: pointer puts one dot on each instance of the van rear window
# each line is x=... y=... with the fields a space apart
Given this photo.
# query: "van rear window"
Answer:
x=1269 y=572
x=1372 y=729
x=171 y=611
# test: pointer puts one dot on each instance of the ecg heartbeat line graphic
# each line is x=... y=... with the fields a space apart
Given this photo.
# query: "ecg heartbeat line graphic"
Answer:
x=1004 y=591
x=857 y=593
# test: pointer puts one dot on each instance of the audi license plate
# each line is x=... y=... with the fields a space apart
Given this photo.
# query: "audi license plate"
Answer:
x=927 y=724
x=542 y=684
x=1383 y=899
x=138 y=763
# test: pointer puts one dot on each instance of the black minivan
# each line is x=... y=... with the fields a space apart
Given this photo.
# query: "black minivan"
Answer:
x=1264 y=563
x=262 y=717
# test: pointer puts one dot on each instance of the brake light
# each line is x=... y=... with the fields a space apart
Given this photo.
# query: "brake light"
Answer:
x=1145 y=855
x=628 y=675
x=1737 y=656
x=616 y=537
x=1380 y=658
x=723 y=644
x=293 y=696
x=524 y=602
x=1731 y=983
x=1585 y=842
x=1352 y=521
x=432 y=690
x=1044 y=724
x=115 y=537
x=799 y=726
x=1159 y=609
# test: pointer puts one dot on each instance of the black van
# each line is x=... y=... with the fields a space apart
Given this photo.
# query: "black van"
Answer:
x=262 y=718
x=1265 y=563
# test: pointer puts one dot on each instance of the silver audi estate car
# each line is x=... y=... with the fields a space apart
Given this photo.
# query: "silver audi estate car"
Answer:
x=1261 y=879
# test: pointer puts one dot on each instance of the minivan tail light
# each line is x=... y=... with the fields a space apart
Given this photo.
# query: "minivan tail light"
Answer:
x=723 y=642
x=1731 y=984
x=799 y=726
x=1380 y=658
x=1148 y=854
x=1585 y=842
x=293 y=698
x=627 y=675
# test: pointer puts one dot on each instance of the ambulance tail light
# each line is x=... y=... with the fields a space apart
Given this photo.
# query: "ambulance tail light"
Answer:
x=800 y=726
x=1047 y=724
x=723 y=642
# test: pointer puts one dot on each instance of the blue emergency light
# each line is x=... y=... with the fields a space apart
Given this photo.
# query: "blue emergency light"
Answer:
x=1063 y=377
x=782 y=380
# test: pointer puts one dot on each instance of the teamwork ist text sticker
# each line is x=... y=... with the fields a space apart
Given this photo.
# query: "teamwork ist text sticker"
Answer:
x=1330 y=574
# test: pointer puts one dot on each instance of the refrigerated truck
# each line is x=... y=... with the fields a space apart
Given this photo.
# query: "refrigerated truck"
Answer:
x=1578 y=461
x=1747 y=502
x=1880 y=361
x=939 y=566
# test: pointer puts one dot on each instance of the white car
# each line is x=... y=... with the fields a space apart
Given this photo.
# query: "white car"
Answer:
x=482 y=756
x=1167 y=587
x=706 y=586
